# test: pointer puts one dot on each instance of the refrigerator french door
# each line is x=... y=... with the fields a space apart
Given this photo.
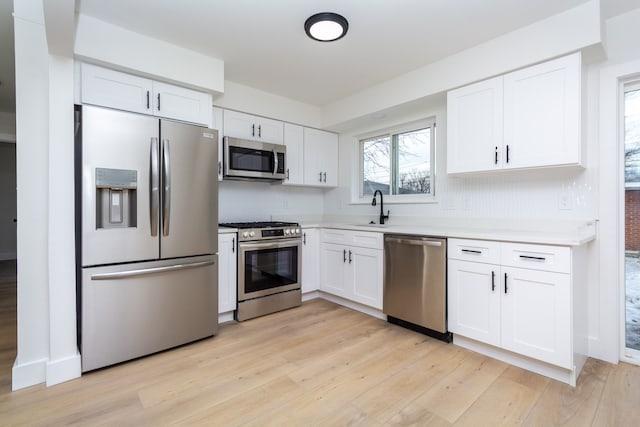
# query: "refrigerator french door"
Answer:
x=149 y=235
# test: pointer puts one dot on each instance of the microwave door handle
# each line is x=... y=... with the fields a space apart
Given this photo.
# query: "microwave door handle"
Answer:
x=275 y=161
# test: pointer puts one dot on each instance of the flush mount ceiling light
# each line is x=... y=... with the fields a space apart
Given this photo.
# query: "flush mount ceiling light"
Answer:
x=326 y=26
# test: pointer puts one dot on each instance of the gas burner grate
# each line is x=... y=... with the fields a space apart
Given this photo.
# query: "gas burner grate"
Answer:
x=258 y=224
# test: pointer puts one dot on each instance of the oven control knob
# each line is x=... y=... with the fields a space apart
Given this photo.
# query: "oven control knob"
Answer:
x=297 y=231
x=245 y=234
x=251 y=234
x=287 y=231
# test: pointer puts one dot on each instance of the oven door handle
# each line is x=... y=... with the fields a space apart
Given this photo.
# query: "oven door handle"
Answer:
x=247 y=246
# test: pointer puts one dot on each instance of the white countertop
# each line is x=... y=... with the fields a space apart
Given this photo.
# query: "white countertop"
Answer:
x=549 y=232
x=225 y=230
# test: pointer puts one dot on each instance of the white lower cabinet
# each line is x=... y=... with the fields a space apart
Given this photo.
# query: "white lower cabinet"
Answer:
x=352 y=269
x=227 y=272
x=310 y=259
x=523 y=310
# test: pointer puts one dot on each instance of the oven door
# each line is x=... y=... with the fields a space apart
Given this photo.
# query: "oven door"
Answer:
x=266 y=268
x=253 y=159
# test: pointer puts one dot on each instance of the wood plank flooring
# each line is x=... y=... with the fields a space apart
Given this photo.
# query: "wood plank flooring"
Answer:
x=317 y=365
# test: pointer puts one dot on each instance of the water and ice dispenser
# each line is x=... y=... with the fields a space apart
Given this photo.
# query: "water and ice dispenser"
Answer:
x=116 y=192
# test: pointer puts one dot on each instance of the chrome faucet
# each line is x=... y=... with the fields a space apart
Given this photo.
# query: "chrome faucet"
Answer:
x=373 y=203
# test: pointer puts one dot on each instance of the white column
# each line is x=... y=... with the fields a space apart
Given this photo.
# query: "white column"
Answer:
x=32 y=174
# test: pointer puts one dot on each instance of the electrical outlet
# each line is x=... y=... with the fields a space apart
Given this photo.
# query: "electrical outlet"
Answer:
x=565 y=202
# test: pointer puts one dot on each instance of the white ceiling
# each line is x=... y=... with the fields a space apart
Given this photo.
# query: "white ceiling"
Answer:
x=263 y=44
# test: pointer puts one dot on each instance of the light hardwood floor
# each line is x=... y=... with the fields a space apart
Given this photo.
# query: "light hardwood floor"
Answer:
x=319 y=364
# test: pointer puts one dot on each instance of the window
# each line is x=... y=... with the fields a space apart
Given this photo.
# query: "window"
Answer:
x=399 y=162
x=632 y=136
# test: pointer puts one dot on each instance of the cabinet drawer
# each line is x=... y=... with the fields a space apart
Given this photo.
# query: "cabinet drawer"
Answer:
x=537 y=257
x=362 y=239
x=474 y=250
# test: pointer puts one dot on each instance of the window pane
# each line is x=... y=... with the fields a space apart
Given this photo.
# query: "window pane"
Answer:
x=632 y=138
x=376 y=164
x=413 y=175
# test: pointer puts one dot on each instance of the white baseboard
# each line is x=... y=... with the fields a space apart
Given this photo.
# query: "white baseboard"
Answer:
x=555 y=372
x=353 y=305
x=8 y=255
x=310 y=295
x=28 y=374
x=61 y=370
x=225 y=317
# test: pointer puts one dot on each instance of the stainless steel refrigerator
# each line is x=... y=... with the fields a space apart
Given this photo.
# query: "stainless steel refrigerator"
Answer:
x=148 y=237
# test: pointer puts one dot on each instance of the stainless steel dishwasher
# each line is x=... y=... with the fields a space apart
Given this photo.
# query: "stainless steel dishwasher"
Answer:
x=415 y=283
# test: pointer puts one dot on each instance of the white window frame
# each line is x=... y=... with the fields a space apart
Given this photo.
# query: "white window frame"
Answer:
x=357 y=175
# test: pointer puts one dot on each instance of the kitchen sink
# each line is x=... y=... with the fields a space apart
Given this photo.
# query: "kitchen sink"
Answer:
x=368 y=224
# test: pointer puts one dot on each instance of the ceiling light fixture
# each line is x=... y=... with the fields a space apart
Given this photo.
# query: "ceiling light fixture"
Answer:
x=326 y=26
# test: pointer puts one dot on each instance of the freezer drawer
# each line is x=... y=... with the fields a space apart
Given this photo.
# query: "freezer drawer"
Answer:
x=133 y=310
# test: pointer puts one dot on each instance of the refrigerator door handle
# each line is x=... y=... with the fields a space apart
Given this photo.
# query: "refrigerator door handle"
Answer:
x=154 y=202
x=166 y=193
x=145 y=271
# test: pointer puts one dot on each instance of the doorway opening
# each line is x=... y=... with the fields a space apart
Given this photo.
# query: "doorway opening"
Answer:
x=631 y=135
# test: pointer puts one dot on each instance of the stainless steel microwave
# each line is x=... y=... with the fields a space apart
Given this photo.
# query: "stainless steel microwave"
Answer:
x=253 y=160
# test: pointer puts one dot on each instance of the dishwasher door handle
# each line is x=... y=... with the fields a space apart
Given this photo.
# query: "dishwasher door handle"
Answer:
x=415 y=242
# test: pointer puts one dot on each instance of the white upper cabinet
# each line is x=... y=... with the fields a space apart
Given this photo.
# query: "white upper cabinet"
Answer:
x=526 y=119
x=294 y=162
x=474 y=127
x=320 y=158
x=542 y=106
x=174 y=102
x=247 y=126
x=122 y=91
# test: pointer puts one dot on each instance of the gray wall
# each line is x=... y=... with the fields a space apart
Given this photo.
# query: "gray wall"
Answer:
x=7 y=200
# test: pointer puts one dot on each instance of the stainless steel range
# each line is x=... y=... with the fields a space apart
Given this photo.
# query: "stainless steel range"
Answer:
x=269 y=261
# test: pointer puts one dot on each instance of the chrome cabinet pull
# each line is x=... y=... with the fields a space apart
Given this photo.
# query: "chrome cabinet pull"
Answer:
x=532 y=258
x=471 y=251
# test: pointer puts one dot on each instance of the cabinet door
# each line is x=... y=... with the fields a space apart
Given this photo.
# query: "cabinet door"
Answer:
x=365 y=275
x=474 y=300
x=536 y=314
x=294 y=140
x=218 y=124
x=227 y=274
x=269 y=130
x=320 y=158
x=113 y=89
x=247 y=126
x=179 y=103
x=474 y=127
x=542 y=114
x=310 y=259
x=332 y=261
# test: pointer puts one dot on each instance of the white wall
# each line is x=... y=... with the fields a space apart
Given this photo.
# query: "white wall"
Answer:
x=512 y=194
x=256 y=201
x=572 y=30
